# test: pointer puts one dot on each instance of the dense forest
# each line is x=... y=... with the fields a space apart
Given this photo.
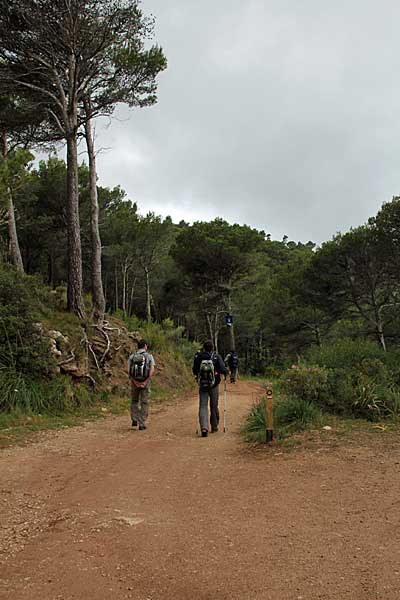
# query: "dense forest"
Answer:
x=284 y=296
x=62 y=65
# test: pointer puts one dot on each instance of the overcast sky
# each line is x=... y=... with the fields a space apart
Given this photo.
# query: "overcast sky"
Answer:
x=282 y=114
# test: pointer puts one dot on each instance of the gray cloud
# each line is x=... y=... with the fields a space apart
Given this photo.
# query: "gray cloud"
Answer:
x=280 y=114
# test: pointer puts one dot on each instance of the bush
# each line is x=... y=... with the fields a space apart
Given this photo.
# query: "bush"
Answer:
x=256 y=420
x=290 y=415
x=296 y=412
x=344 y=354
x=164 y=337
x=369 y=392
x=59 y=396
x=272 y=372
x=307 y=383
x=22 y=347
x=363 y=380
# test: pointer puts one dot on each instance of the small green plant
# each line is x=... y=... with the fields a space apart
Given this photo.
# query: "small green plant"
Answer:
x=290 y=415
x=297 y=413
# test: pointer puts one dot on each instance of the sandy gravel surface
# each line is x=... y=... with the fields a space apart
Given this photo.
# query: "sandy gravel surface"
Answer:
x=103 y=512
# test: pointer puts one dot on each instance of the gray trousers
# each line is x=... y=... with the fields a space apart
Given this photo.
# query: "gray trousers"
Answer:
x=204 y=397
x=140 y=404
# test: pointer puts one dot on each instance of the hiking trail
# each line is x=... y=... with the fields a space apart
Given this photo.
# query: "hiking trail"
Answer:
x=104 y=512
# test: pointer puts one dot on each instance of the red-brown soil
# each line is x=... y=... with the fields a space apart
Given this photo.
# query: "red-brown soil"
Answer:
x=104 y=512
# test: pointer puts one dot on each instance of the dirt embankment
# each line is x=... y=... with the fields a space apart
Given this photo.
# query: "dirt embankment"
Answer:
x=103 y=512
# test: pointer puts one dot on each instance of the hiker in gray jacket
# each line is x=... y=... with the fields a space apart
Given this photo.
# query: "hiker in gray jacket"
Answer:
x=141 y=367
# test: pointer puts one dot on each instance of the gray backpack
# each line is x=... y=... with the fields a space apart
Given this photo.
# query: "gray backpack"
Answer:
x=139 y=366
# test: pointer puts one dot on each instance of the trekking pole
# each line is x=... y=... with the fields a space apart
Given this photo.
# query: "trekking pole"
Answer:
x=225 y=407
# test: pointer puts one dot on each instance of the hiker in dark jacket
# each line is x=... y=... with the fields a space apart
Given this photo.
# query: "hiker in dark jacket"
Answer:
x=232 y=361
x=208 y=367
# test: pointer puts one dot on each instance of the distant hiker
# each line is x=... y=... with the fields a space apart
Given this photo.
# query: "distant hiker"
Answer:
x=208 y=367
x=232 y=361
x=141 y=366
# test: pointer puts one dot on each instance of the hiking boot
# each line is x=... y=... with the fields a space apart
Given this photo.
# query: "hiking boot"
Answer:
x=142 y=427
x=204 y=433
x=134 y=423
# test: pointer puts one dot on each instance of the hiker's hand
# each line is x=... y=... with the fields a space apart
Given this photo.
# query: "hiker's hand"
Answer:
x=139 y=384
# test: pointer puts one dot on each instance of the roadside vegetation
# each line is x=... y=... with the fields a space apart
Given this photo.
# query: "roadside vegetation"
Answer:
x=346 y=381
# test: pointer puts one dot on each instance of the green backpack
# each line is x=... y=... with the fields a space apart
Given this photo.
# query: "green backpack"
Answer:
x=206 y=375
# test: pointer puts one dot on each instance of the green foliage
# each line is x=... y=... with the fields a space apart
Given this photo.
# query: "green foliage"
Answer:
x=164 y=337
x=296 y=413
x=13 y=172
x=344 y=353
x=352 y=378
x=21 y=345
x=368 y=390
x=291 y=414
x=255 y=424
x=20 y=393
x=224 y=250
x=310 y=384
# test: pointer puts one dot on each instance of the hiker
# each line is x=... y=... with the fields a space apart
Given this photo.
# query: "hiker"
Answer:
x=141 y=366
x=208 y=367
x=232 y=361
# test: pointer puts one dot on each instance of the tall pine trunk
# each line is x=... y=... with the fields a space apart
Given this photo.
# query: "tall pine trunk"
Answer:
x=98 y=299
x=116 y=292
x=14 y=249
x=124 y=269
x=148 y=296
x=232 y=327
x=75 y=281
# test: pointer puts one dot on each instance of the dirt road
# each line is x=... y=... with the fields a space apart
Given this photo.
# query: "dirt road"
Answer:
x=102 y=512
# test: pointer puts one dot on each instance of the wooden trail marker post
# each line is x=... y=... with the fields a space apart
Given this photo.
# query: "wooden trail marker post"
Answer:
x=269 y=415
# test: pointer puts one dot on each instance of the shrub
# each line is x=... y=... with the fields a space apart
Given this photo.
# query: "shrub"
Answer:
x=255 y=421
x=272 y=372
x=19 y=393
x=290 y=415
x=296 y=412
x=344 y=354
x=164 y=337
x=369 y=393
x=308 y=383
x=392 y=362
x=22 y=347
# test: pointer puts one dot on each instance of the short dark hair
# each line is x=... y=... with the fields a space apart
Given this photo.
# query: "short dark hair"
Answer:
x=208 y=346
x=142 y=344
